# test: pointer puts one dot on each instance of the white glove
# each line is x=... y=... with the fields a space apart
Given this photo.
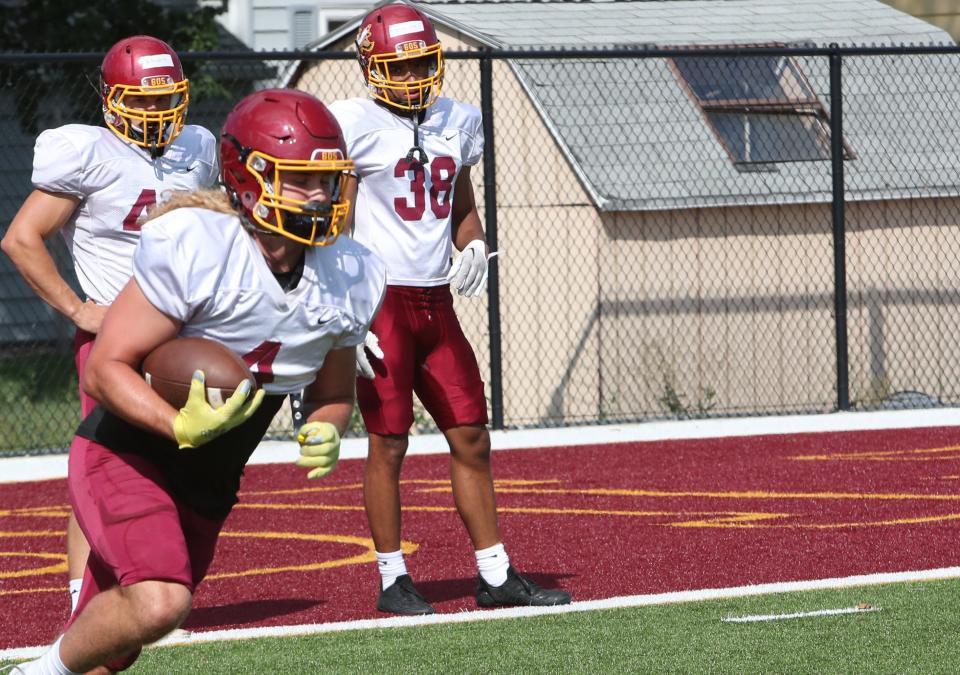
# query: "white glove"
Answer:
x=319 y=448
x=371 y=342
x=468 y=274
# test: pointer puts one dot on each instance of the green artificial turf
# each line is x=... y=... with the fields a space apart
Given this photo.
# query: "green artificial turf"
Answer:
x=914 y=632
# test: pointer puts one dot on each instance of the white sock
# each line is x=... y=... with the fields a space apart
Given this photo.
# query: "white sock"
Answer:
x=48 y=664
x=492 y=564
x=391 y=566
x=75 y=586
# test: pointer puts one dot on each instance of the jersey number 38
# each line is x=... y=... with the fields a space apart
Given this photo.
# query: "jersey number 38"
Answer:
x=442 y=173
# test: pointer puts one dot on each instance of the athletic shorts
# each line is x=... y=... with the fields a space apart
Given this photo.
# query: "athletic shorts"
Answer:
x=425 y=352
x=137 y=530
x=82 y=344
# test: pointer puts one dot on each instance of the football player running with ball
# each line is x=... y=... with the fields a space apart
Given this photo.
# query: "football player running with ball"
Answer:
x=414 y=203
x=260 y=269
x=94 y=186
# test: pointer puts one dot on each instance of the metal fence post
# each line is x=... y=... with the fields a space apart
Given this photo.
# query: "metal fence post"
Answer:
x=490 y=224
x=839 y=229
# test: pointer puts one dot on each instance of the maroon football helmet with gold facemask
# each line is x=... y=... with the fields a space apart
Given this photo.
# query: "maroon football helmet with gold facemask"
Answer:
x=146 y=70
x=390 y=40
x=266 y=136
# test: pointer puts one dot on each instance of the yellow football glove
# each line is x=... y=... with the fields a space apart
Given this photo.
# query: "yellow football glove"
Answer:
x=198 y=422
x=319 y=448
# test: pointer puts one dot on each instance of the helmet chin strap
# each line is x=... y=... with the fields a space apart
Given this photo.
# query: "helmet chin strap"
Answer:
x=314 y=215
x=417 y=148
x=152 y=140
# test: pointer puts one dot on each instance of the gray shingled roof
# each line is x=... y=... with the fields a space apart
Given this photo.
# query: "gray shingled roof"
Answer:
x=683 y=22
x=637 y=140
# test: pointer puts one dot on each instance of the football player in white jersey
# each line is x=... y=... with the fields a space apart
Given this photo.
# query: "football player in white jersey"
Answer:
x=261 y=269
x=414 y=203
x=94 y=185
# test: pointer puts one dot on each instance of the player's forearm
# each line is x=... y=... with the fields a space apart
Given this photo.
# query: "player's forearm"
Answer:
x=468 y=229
x=336 y=412
x=35 y=264
x=465 y=225
x=122 y=391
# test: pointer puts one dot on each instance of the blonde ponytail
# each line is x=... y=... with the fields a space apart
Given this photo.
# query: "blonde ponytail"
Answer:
x=213 y=199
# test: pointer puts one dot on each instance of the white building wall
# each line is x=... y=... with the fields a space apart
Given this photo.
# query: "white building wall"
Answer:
x=272 y=24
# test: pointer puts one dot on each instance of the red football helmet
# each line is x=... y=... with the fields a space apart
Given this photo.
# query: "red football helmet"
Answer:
x=389 y=38
x=270 y=133
x=143 y=66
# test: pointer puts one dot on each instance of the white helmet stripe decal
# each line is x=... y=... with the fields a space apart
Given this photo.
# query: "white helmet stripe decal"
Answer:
x=155 y=61
x=406 y=28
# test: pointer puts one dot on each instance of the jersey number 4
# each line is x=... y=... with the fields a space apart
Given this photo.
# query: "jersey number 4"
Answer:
x=146 y=199
x=442 y=172
x=260 y=360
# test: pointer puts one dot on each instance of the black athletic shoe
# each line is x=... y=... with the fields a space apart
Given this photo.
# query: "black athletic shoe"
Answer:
x=403 y=598
x=518 y=590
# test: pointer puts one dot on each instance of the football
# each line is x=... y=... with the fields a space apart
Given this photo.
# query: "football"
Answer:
x=169 y=368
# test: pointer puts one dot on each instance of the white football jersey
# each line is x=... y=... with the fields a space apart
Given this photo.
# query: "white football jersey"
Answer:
x=202 y=268
x=402 y=215
x=116 y=182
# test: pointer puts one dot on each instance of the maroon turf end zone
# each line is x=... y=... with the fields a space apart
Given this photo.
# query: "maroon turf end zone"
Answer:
x=683 y=514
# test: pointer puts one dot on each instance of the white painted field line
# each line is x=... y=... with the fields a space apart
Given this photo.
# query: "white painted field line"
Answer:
x=187 y=637
x=751 y=618
x=18 y=469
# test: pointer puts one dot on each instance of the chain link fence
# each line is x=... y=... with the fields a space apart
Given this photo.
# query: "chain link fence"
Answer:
x=683 y=234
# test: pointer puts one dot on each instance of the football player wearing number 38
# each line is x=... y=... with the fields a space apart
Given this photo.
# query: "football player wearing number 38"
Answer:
x=259 y=268
x=414 y=204
x=94 y=185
